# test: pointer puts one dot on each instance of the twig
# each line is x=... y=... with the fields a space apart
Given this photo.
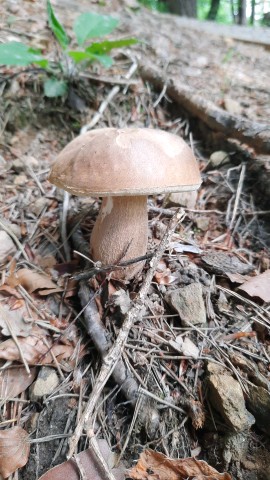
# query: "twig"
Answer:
x=107 y=101
x=238 y=194
x=161 y=400
x=113 y=355
x=109 y=268
x=110 y=80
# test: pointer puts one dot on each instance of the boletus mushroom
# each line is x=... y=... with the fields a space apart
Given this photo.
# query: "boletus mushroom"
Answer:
x=124 y=166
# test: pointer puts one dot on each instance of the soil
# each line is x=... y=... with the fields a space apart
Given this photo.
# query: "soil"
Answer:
x=232 y=74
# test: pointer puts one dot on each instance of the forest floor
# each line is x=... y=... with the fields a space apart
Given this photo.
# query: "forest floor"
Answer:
x=201 y=370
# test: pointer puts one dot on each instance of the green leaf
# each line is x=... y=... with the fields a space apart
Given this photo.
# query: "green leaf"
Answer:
x=108 y=45
x=91 y=25
x=56 y=27
x=17 y=53
x=105 y=60
x=55 y=88
x=79 y=56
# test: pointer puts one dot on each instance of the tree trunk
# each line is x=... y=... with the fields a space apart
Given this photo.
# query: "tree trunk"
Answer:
x=252 y=15
x=242 y=12
x=234 y=15
x=212 y=14
x=187 y=8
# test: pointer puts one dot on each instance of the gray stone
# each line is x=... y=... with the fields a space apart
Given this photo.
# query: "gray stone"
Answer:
x=202 y=223
x=188 y=302
x=45 y=384
x=219 y=158
x=232 y=106
x=7 y=246
x=20 y=179
x=226 y=396
x=183 y=199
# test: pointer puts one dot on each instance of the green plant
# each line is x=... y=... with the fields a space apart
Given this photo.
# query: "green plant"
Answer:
x=59 y=73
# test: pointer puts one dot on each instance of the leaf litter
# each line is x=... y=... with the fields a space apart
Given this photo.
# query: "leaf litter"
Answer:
x=168 y=359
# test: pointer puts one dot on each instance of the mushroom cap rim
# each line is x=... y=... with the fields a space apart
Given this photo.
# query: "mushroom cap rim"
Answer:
x=126 y=192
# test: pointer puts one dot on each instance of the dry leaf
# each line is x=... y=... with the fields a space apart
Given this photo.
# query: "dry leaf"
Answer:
x=156 y=466
x=10 y=291
x=237 y=277
x=84 y=465
x=14 y=381
x=258 y=286
x=35 y=350
x=163 y=274
x=33 y=281
x=14 y=322
x=14 y=450
x=185 y=346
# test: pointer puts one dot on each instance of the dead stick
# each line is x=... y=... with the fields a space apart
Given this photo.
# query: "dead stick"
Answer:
x=113 y=355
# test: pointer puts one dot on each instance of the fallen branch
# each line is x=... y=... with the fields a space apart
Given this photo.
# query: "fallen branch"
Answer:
x=111 y=359
x=254 y=134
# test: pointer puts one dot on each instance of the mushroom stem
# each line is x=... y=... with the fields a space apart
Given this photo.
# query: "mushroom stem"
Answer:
x=120 y=233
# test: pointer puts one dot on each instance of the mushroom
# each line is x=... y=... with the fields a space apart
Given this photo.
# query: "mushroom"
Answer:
x=124 y=166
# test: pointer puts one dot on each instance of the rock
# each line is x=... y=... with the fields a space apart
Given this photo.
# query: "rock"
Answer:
x=18 y=165
x=202 y=223
x=258 y=402
x=20 y=179
x=45 y=384
x=188 y=302
x=219 y=158
x=235 y=448
x=7 y=246
x=232 y=106
x=226 y=396
x=183 y=199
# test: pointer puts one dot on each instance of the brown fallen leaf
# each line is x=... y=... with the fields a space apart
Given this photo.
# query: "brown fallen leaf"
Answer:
x=84 y=465
x=13 y=322
x=156 y=466
x=14 y=450
x=14 y=381
x=33 y=281
x=35 y=350
x=258 y=286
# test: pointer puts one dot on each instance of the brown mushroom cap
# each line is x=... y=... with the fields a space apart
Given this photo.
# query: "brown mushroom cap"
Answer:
x=129 y=161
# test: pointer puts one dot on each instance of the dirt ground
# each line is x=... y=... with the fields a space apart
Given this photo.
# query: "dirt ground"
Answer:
x=202 y=389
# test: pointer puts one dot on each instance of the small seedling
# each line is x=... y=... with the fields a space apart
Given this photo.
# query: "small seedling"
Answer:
x=59 y=73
